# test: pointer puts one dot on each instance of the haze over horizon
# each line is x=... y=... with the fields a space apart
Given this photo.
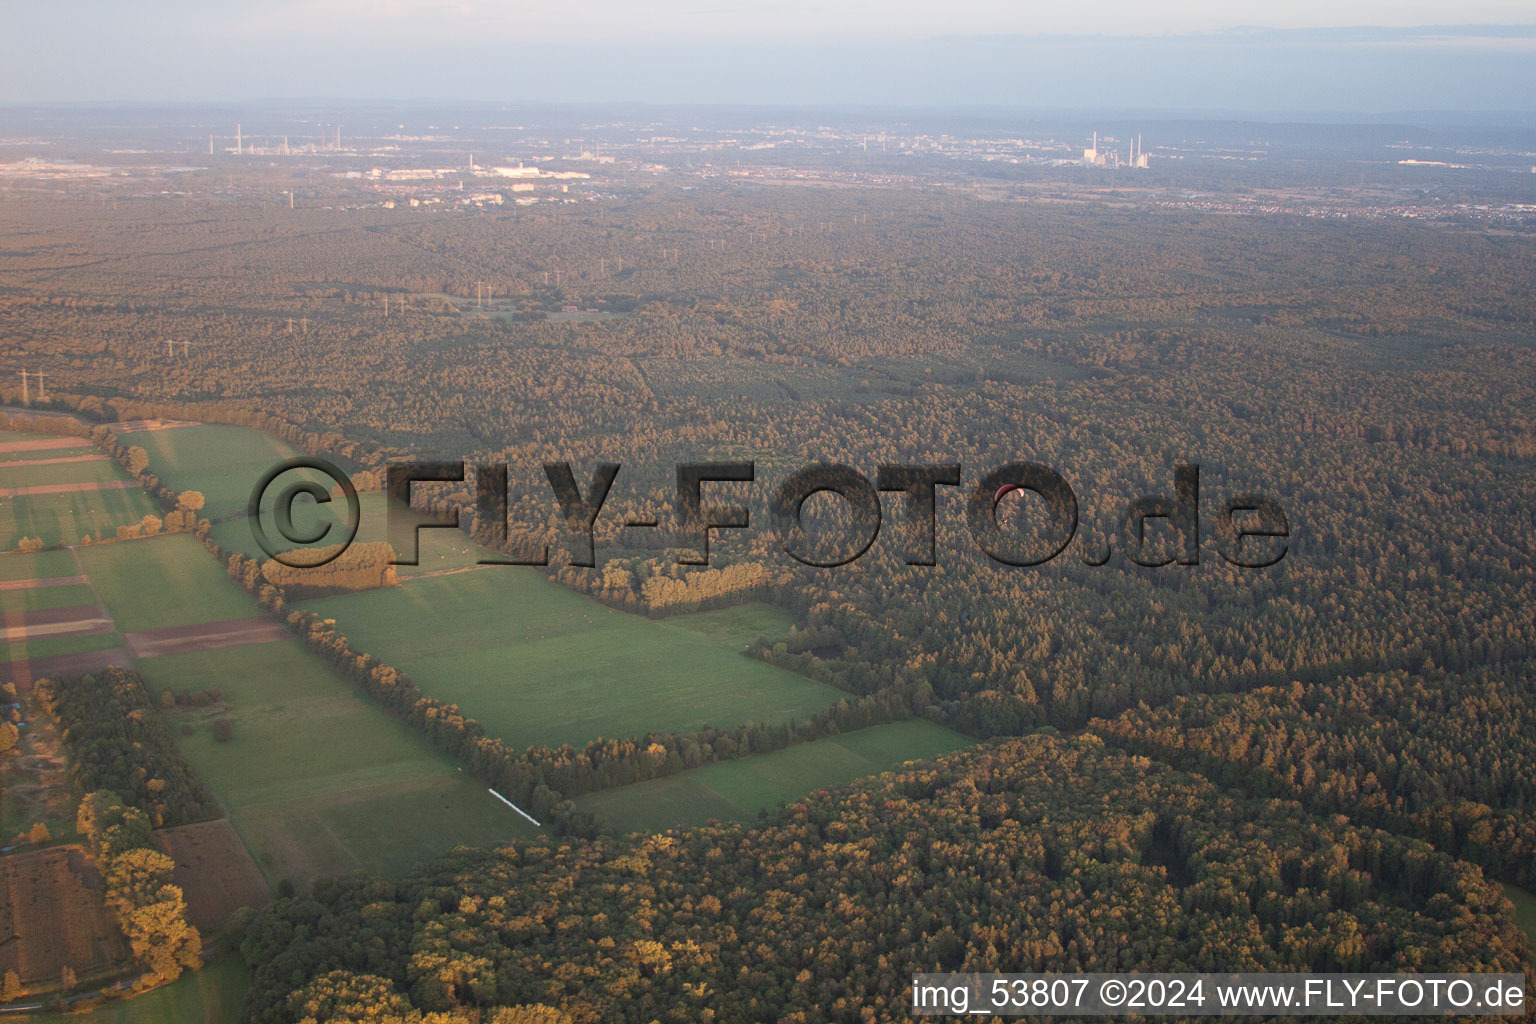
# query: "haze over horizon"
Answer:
x=1360 y=56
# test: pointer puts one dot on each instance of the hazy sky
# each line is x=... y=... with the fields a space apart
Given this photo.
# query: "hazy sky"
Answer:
x=1209 y=54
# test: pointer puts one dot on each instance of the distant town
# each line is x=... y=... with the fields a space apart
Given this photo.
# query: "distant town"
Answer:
x=452 y=165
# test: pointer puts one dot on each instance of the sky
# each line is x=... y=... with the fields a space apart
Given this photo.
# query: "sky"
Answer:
x=1233 y=55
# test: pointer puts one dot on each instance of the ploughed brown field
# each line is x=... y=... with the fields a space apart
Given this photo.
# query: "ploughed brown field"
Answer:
x=204 y=636
x=215 y=871
x=53 y=915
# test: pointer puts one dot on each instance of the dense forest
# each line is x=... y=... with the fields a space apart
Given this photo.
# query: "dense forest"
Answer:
x=118 y=743
x=1035 y=854
x=1429 y=753
x=1375 y=379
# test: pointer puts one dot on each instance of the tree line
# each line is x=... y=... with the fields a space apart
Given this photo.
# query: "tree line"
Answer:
x=116 y=741
x=150 y=906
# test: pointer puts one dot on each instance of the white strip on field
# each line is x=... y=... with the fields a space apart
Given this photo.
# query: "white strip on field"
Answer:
x=514 y=806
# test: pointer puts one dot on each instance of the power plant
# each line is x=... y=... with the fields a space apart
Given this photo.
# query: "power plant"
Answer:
x=1135 y=156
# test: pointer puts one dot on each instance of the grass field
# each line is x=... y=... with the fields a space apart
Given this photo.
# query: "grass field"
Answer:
x=213 y=995
x=540 y=665
x=64 y=518
x=40 y=598
x=16 y=460
x=318 y=779
x=74 y=450
x=39 y=565
x=47 y=647
x=222 y=462
x=1525 y=910
x=436 y=549
x=169 y=580
x=737 y=790
x=62 y=472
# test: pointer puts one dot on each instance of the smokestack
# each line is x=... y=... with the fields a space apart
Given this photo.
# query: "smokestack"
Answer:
x=210 y=145
x=239 y=146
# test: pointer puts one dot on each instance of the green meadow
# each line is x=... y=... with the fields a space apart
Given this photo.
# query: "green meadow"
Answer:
x=48 y=646
x=222 y=462
x=96 y=472
x=213 y=995
x=37 y=565
x=170 y=580
x=317 y=778
x=42 y=598
x=437 y=549
x=83 y=447
x=737 y=790
x=539 y=665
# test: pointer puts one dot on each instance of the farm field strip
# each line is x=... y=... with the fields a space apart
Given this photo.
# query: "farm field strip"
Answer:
x=11 y=464
x=163 y=581
x=37 y=565
x=13 y=441
x=61 y=499
x=40 y=649
x=42 y=584
x=208 y=636
x=28 y=600
x=69 y=517
x=32 y=490
x=83 y=471
x=84 y=626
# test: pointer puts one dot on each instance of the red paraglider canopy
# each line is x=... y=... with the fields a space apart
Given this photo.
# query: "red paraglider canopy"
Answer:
x=1004 y=490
